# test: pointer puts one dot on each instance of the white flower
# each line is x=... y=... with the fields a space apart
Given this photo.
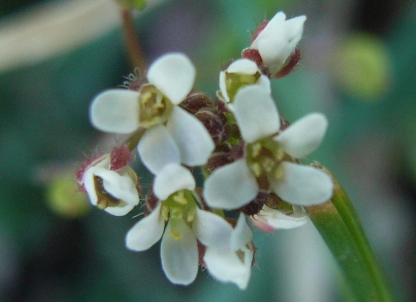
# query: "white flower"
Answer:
x=115 y=191
x=269 y=219
x=229 y=253
x=265 y=161
x=240 y=73
x=179 y=250
x=155 y=107
x=278 y=40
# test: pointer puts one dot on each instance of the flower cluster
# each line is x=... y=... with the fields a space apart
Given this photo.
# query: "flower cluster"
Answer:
x=248 y=153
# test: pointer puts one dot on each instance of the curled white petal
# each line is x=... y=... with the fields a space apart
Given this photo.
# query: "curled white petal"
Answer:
x=115 y=111
x=303 y=136
x=303 y=185
x=119 y=186
x=269 y=219
x=193 y=140
x=211 y=229
x=173 y=74
x=157 y=148
x=179 y=253
x=172 y=178
x=230 y=187
x=256 y=113
x=146 y=232
x=226 y=266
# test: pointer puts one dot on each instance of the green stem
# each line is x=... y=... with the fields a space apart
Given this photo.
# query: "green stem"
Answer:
x=338 y=224
x=134 y=139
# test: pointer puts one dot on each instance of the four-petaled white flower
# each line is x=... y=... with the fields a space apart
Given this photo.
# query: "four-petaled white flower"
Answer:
x=267 y=157
x=278 y=40
x=240 y=73
x=155 y=107
x=115 y=191
x=229 y=253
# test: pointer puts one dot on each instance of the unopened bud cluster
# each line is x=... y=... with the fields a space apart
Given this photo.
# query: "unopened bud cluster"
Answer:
x=248 y=153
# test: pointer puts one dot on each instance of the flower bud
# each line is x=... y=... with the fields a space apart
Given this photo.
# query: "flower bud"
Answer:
x=212 y=123
x=195 y=101
x=216 y=160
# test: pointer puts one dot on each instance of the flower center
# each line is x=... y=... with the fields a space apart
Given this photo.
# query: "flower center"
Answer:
x=264 y=159
x=154 y=107
x=234 y=81
x=179 y=205
x=104 y=198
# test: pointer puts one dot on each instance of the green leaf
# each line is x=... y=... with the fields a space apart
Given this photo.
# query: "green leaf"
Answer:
x=338 y=224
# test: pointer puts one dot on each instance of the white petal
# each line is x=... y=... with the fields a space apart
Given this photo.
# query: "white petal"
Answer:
x=179 y=256
x=256 y=113
x=193 y=140
x=275 y=25
x=244 y=66
x=242 y=234
x=294 y=31
x=146 y=232
x=120 y=186
x=223 y=87
x=157 y=149
x=303 y=136
x=89 y=185
x=277 y=220
x=225 y=266
x=264 y=83
x=231 y=186
x=115 y=111
x=173 y=74
x=172 y=178
x=303 y=185
x=211 y=229
x=119 y=211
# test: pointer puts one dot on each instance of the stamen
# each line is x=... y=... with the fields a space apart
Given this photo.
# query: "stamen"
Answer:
x=180 y=198
x=165 y=212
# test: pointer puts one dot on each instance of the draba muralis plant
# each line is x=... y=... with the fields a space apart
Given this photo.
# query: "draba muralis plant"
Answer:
x=250 y=157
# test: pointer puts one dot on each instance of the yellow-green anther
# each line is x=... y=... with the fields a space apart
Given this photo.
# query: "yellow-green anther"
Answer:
x=255 y=167
x=165 y=212
x=255 y=149
x=191 y=216
x=180 y=198
x=278 y=173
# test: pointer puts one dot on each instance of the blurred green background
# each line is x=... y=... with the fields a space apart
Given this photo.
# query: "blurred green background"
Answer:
x=358 y=67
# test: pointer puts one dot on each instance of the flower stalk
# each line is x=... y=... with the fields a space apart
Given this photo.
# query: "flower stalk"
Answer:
x=134 y=51
x=338 y=223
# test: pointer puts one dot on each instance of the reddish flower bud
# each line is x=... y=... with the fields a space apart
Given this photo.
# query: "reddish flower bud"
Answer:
x=195 y=101
x=212 y=123
x=120 y=156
